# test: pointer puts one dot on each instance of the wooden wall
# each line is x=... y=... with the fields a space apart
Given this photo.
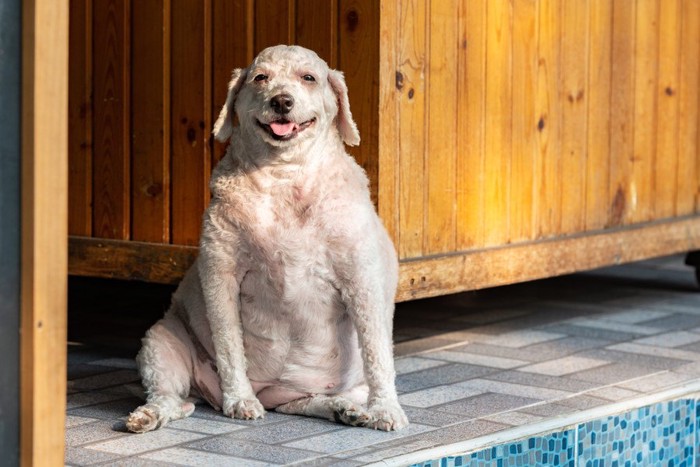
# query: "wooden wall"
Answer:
x=147 y=80
x=523 y=120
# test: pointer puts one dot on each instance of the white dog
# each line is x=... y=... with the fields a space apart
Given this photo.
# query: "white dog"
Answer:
x=290 y=303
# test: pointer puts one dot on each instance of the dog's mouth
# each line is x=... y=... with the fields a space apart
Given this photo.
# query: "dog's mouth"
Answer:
x=284 y=129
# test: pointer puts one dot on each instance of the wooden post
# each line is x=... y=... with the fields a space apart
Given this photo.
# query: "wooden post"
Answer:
x=44 y=231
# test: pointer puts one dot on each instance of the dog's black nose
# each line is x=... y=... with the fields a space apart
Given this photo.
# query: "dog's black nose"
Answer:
x=282 y=103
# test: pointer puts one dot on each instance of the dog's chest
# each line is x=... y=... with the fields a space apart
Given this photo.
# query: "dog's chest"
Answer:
x=287 y=237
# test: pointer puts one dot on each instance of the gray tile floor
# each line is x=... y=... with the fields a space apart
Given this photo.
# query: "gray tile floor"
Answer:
x=468 y=365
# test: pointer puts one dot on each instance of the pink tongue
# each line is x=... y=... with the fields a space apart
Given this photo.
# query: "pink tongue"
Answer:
x=282 y=129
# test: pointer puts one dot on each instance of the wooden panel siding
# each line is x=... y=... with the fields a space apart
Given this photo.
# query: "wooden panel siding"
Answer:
x=484 y=125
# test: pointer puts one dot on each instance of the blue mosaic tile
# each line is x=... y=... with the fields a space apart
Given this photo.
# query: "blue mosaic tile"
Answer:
x=659 y=434
x=697 y=430
x=556 y=449
x=663 y=434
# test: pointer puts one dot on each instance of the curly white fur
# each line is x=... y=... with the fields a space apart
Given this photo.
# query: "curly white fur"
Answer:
x=290 y=303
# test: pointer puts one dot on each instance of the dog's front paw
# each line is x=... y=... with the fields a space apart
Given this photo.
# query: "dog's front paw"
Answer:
x=386 y=415
x=143 y=419
x=244 y=409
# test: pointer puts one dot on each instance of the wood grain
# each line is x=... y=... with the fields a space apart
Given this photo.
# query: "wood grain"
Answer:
x=498 y=132
x=598 y=126
x=471 y=122
x=574 y=117
x=44 y=231
x=316 y=28
x=153 y=262
x=80 y=118
x=509 y=264
x=358 y=33
x=622 y=108
x=641 y=166
x=549 y=123
x=441 y=117
x=688 y=114
x=524 y=159
x=409 y=81
x=111 y=50
x=190 y=118
x=150 y=121
x=232 y=47
x=666 y=161
x=387 y=144
x=274 y=23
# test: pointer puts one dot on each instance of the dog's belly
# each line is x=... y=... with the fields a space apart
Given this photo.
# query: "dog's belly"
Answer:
x=297 y=342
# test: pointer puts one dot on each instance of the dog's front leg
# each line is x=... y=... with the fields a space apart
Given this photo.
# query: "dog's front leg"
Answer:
x=220 y=277
x=372 y=313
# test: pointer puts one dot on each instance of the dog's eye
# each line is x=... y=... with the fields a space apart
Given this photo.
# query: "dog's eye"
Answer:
x=309 y=78
x=260 y=77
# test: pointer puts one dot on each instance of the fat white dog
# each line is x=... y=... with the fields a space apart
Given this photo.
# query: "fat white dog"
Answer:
x=290 y=303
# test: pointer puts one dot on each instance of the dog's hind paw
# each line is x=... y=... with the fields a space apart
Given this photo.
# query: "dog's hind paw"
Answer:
x=386 y=416
x=142 y=420
x=352 y=416
x=244 y=409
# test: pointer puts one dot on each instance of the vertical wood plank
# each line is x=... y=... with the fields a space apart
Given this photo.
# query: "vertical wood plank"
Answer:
x=190 y=117
x=471 y=83
x=389 y=97
x=646 y=55
x=666 y=167
x=359 y=60
x=44 y=269
x=622 y=108
x=598 y=138
x=410 y=82
x=150 y=120
x=497 y=137
x=274 y=23
x=80 y=118
x=524 y=158
x=111 y=125
x=316 y=28
x=689 y=102
x=548 y=124
x=232 y=47
x=440 y=152
x=574 y=74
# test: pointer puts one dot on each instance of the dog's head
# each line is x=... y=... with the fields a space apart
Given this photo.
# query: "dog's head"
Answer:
x=286 y=95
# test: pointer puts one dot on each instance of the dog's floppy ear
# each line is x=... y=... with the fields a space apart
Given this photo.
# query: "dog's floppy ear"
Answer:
x=223 y=128
x=346 y=125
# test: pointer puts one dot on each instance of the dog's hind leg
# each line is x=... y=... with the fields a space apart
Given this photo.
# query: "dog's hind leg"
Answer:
x=345 y=408
x=165 y=363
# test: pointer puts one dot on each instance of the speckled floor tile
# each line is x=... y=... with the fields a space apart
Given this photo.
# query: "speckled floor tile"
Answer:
x=137 y=443
x=564 y=383
x=411 y=364
x=96 y=431
x=194 y=457
x=565 y=365
x=613 y=393
x=670 y=339
x=512 y=389
x=513 y=418
x=349 y=438
x=441 y=375
x=520 y=338
x=274 y=454
x=487 y=403
x=437 y=395
x=475 y=359
x=295 y=428
x=612 y=325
